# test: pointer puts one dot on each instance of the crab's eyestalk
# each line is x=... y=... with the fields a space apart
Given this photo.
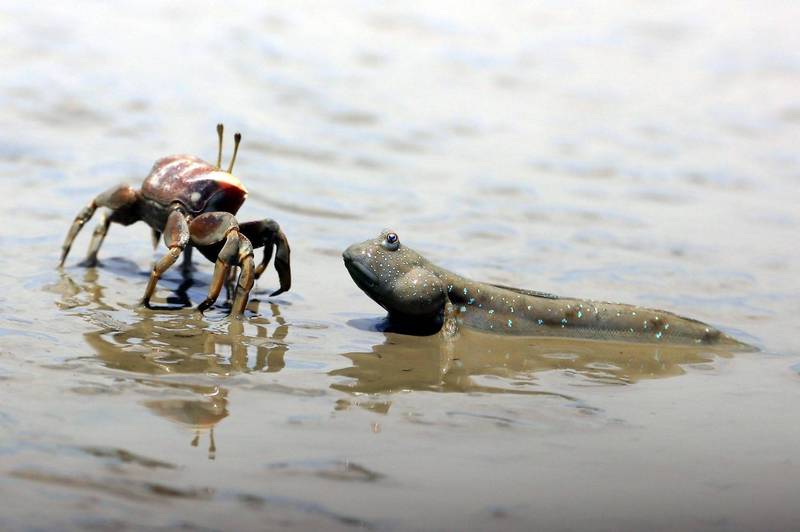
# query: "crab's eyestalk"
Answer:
x=220 y=129
x=237 y=138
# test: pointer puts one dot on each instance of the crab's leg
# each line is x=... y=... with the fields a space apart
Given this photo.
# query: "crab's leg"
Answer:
x=186 y=264
x=246 y=277
x=124 y=215
x=155 y=236
x=210 y=228
x=122 y=197
x=267 y=233
x=176 y=236
x=98 y=236
x=230 y=284
x=225 y=259
x=81 y=219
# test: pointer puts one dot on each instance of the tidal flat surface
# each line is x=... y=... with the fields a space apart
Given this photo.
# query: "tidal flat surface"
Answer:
x=642 y=153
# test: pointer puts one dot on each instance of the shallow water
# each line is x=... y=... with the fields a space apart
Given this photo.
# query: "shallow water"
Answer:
x=620 y=153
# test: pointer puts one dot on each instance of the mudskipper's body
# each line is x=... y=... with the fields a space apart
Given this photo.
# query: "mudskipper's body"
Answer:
x=418 y=293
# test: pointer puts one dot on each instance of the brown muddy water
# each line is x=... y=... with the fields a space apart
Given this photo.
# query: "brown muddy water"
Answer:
x=643 y=153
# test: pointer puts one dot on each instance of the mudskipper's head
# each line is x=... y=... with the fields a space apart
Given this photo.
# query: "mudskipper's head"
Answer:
x=396 y=277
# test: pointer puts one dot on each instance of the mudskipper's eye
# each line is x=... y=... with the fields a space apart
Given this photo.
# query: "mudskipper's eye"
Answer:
x=392 y=242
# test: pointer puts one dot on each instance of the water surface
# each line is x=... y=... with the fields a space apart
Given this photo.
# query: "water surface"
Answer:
x=643 y=155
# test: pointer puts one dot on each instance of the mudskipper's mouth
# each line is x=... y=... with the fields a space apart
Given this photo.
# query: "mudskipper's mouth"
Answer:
x=360 y=272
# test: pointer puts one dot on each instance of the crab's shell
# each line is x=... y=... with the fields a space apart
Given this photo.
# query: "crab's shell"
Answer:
x=198 y=185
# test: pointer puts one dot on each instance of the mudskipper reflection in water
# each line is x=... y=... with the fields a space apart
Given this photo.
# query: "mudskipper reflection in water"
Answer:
x=168 y=346
x=476 y=362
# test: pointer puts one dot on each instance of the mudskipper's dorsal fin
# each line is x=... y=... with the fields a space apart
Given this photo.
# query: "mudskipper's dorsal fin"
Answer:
x=526 y=292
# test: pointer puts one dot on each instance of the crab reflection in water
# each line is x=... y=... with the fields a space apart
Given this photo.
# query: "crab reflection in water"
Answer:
x=169 y=347
x=196 y=414
x=178 y=353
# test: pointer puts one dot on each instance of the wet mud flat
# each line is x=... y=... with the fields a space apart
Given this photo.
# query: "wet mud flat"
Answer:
x=646 y=158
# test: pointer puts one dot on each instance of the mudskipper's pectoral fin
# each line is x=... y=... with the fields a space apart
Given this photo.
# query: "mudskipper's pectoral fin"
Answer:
x=449 y=320
x=526 y=292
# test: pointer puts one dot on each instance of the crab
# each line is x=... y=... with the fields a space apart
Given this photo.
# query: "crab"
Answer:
x=192 y=203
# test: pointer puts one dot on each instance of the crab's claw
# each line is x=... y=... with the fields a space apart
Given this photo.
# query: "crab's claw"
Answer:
x=282 y=266
x=267 y=233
